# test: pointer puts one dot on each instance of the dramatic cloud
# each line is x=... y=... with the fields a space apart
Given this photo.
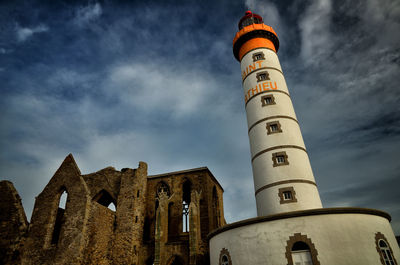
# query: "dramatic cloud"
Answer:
x=87 y=14
x=177 y=91
x=118 y=83
x=316 y=41
x=24 y=34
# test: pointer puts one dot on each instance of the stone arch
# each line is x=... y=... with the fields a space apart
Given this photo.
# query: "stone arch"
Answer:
x=104 y=198
x=162 y=186
x=295 y=239
x=44 y=215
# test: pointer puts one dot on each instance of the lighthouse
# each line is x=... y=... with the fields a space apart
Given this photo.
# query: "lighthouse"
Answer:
x=283 y=178
x=292 y=227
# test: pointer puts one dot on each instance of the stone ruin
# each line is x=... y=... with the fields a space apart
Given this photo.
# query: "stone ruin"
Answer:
x=113 y=217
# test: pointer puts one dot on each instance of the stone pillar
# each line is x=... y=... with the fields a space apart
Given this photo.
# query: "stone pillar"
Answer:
x=157 y=238
x=194 y=225
x=129 y=229
x=161 y=237
x=140 y=210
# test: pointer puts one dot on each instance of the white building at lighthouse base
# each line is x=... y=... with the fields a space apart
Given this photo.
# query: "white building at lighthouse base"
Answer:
x=334 y=236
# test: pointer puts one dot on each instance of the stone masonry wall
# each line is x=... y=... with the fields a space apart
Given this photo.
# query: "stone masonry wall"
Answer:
x=39 y=248
x=87 y=232
x=13 y=224
x=101 y=235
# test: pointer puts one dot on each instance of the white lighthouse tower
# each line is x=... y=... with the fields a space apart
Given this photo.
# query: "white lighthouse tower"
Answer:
x=283 y=178
x=292 y=227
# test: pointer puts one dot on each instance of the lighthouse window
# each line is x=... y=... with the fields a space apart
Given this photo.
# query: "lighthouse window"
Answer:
x=225 y=260
x=258 y=56
x=287 y=195
x=273 y=127
x=384 y=250
x=280 y=159
x=267 y=100
x=224 y=257
x=262 y=76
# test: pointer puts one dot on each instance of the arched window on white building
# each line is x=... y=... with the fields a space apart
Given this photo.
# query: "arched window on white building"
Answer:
x=384 y=250
x=386 y=253
x=224 y=260
x=301 y=254
x=224 y=257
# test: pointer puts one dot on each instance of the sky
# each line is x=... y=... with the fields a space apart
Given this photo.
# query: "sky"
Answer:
x=118 y=82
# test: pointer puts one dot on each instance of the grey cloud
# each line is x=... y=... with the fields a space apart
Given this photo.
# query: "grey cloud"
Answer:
x=86 y=14
x=158 y=83
x=315 y=36
x=24 y=33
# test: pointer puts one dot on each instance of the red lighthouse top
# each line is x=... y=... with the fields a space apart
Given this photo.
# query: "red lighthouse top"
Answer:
x=252 y=34
x=249 y=18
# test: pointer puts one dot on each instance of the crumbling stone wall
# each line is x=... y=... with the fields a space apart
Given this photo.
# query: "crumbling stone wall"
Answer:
x=13 y=224
x=39 y=248
x=130 y=215
x=101 y=235
x=88 y=232
x=174 y=244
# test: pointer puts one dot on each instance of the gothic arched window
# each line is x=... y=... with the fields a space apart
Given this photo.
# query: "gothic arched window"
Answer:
x=187 y=189
x=162 y=187
x=60 y=217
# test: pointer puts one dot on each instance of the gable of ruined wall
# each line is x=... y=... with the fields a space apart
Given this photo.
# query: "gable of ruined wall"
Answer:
x=73 y=237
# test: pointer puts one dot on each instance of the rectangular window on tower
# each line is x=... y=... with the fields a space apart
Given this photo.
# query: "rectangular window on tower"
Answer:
x=258 y=56
x=267 y=100
x=280 y=159
x=287 y=195
x=263 y=76
x=273 y=127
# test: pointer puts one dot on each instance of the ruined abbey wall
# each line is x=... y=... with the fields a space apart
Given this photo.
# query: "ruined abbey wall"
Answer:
x=162 y=219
